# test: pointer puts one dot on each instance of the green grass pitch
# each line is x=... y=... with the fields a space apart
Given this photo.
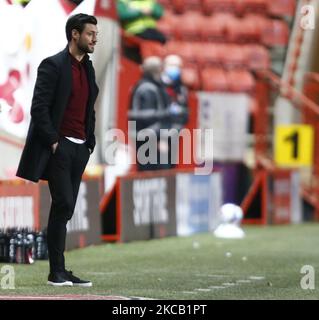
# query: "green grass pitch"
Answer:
x=264 y=265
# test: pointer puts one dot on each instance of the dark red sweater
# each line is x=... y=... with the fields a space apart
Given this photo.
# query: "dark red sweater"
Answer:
x=73 y=123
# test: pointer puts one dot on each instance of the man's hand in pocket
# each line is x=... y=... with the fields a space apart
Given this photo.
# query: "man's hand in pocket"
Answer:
x=54 y=146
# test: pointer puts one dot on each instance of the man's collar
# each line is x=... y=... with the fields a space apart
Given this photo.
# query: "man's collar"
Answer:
x=85 y=58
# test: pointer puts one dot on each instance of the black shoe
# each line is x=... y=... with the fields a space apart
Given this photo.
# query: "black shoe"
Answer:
x=77 y=281
x=59 y=279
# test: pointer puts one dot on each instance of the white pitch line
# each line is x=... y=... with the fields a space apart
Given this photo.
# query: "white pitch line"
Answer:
x=212 y=275
x=202 y=290
x=256 y=278
x=243 y=281
x=229 y=284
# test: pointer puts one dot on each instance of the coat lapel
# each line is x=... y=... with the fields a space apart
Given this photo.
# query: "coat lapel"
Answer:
x=67 y=72
x=92 y=85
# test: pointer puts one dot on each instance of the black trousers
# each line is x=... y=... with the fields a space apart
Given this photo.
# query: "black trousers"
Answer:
x=66 y=167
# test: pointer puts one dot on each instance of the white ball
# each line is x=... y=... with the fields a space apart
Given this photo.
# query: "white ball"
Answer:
x=231 y=213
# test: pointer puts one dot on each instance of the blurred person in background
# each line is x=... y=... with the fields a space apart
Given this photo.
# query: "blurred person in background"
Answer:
x=177 y=92
x=138 y=17
x=149 y=109
x=61 y=134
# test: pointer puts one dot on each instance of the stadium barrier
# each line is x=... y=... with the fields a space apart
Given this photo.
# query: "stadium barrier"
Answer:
x=19 y=205
x=277 y=191
x=149 y=205
x=27 y=205
x=311 y=116
x=273 y=198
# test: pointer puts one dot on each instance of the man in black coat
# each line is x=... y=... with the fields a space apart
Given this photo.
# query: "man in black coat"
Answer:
x=61 y=134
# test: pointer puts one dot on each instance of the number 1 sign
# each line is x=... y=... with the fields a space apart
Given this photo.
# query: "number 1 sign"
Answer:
x=294 y=145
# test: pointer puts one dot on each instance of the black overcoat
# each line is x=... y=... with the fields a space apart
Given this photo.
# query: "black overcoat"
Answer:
x=50 y=97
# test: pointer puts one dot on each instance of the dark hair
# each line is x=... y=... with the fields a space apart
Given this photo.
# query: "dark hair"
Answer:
x=78 y=22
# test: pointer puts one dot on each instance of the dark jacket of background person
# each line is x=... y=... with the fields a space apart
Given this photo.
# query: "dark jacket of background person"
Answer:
x=133 y=19
x=149 y=105
x=50 y=98
x=149 y=108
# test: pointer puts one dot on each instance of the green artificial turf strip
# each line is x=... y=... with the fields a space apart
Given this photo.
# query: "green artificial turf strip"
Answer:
x=176 y=267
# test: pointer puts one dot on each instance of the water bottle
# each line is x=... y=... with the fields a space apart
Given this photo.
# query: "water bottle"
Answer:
x=30 y=249
x=19 y=248
x=39 y=246
x=2 y=245
x=12 y=246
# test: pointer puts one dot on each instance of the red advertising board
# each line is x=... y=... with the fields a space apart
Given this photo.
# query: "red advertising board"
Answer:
x=19 y=205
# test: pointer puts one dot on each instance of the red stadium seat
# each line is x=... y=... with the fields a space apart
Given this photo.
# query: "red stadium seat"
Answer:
x=189 y=26
x=233 y=55
x=190 y=77
x=207 y=54
x=167 y=24
x=256 y=6
x=184 y=49
x=167 y=4
x=244 y=30
x=257 y=57
x=210 y=6
x=240 y=81
x=234 y=29
x=213 y=28
x=181 y=6
x=214 y=79
x=259 y=21
x=281 y=8
x=276 y=33
x=152 y=48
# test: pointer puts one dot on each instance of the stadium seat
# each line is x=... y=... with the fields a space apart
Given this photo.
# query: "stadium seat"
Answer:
x=281 y=8
x=210 y=6
x=257 y=57
x=213 y=28
x=167 y=4
x=240 y=81
x=184 y=49
x=167 y=24
x=190 y=77
x=214 y=79
x=232 y=55
x=207 y=54
x=189 y=26
x=256 y=6
x=181 y=6
x=244 y=30
x=152 y=48
x=275 y=33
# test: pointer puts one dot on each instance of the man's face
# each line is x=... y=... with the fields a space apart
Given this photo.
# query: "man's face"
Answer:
x=87 y=39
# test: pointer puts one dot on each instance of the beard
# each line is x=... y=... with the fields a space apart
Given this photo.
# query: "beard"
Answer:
x=85 y=48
